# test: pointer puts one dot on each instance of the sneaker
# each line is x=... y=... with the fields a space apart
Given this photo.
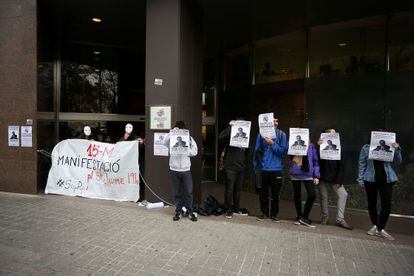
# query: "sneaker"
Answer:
x=193 y=216
x=262 y=217
x=306 y=222
x=241 y=212
x=296 y=221
x=276 y=218
x=385 y=235
x=342 y=223
x=373 y=231
x=229 y=214
x=324 y=220
x=184 y=212
x=177 y=216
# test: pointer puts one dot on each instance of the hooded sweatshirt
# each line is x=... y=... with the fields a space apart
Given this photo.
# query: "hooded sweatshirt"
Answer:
x=309 y=171
x=181 y=163
x=270 y=157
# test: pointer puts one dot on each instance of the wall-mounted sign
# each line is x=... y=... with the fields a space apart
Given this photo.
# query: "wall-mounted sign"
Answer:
x=13 y=136
x=27 y=136
x=158 y=81
x=160 y=117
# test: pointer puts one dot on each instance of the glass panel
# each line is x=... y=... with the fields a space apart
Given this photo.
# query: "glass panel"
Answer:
x=280 y=58
x=46 y=140
x=402 y=43
x=209 y=155
x=208 y=100
x=102 y=80
x=348 y=48
x=238 y=71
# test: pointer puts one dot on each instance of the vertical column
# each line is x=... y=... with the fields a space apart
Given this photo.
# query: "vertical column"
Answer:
x=173 y=54
x=18 y=78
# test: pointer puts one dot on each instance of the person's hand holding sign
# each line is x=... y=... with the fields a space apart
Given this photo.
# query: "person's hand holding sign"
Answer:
x=315 y=181
x=395 y=145
x=269 y=141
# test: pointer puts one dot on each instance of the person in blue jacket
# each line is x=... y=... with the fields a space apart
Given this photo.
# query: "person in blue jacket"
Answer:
x=268 y=158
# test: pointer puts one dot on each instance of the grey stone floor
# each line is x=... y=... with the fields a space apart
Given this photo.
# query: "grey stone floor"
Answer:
x=55 y=235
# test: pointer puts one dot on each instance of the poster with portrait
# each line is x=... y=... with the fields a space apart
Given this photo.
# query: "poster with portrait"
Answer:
x=380 y=147
x=240 y=134
x=266 y=125
x=160 y=149
x=298 y=141
x=179 y=142
x=330 y=149
x=160 y=117
x=13 y=137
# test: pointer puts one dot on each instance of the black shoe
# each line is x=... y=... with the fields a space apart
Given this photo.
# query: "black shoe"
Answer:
x=177 y=216
x=241 y=212
x=306 y=222
x=276 y=218
x=262 y=217
x=229 y=214
x=193 y=217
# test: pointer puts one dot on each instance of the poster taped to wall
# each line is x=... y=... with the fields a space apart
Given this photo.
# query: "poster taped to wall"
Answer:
x=13 y=137
x=380 y=147
x=160 y=149
x=240 y=134
x=95 y=170
x=179 y=142
x=266 y=125
x=330 y=149
x=26 y=136
x=298 y=141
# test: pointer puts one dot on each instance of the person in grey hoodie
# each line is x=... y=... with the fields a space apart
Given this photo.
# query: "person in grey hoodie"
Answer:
x=180 y=168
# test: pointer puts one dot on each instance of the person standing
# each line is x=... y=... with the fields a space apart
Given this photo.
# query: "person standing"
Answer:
x=332 y=173
x=378 y=177
x=234 y=168
x=304 y=169
x=268 y=158
x=180 y=169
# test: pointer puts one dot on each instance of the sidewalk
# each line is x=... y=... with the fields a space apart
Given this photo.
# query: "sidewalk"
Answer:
x=57 y=235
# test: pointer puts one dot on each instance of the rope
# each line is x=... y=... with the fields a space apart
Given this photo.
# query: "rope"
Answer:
x=49 y=155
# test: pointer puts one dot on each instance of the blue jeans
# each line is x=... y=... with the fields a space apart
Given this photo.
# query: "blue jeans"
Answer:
x=183 y=191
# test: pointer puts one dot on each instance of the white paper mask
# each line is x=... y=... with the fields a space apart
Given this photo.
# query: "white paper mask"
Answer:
x=87 y=131
x=129 y=128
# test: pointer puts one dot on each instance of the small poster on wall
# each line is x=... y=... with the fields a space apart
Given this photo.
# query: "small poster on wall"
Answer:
x=160 y=117
x=160 y=149
x=27 y=137
x=13 y=136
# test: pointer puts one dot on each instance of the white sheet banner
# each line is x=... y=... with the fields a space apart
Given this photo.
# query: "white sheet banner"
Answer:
x=330 y=148
x=96 y=170
x=266 y=125
x=179 y=142
x=240 y=134
x=298 y=141
x=380 y=147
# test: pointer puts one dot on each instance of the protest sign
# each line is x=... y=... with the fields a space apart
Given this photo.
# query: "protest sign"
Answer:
x=240 y=134
x=380 y=147
x=14 y=136
x=266 y=125
x=160 y=149
x=96 y=170
x=179 y=142
x=298 y=141
x=330 y=149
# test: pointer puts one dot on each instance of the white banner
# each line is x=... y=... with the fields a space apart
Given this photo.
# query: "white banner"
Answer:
x=240 y=134
x=96 y=170
x=179 y=142
x=160 y=149
x=330 y=149
x=298 y=141
x=380 y=147
x=266 y=125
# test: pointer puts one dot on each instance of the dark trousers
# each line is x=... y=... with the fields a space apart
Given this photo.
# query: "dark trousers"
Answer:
x=272 y=180
x=183 y=190
x=297 y=194
x=385 y=191
x=234 y=182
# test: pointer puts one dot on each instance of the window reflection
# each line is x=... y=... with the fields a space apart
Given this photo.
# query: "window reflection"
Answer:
x=402 y=43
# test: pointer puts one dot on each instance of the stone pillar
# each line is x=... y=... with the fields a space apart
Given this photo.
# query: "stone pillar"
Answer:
x=18 y=78
x=173 y=54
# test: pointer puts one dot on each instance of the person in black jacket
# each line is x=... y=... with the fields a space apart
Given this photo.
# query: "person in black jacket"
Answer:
x=332 y=173
x=234 y=167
